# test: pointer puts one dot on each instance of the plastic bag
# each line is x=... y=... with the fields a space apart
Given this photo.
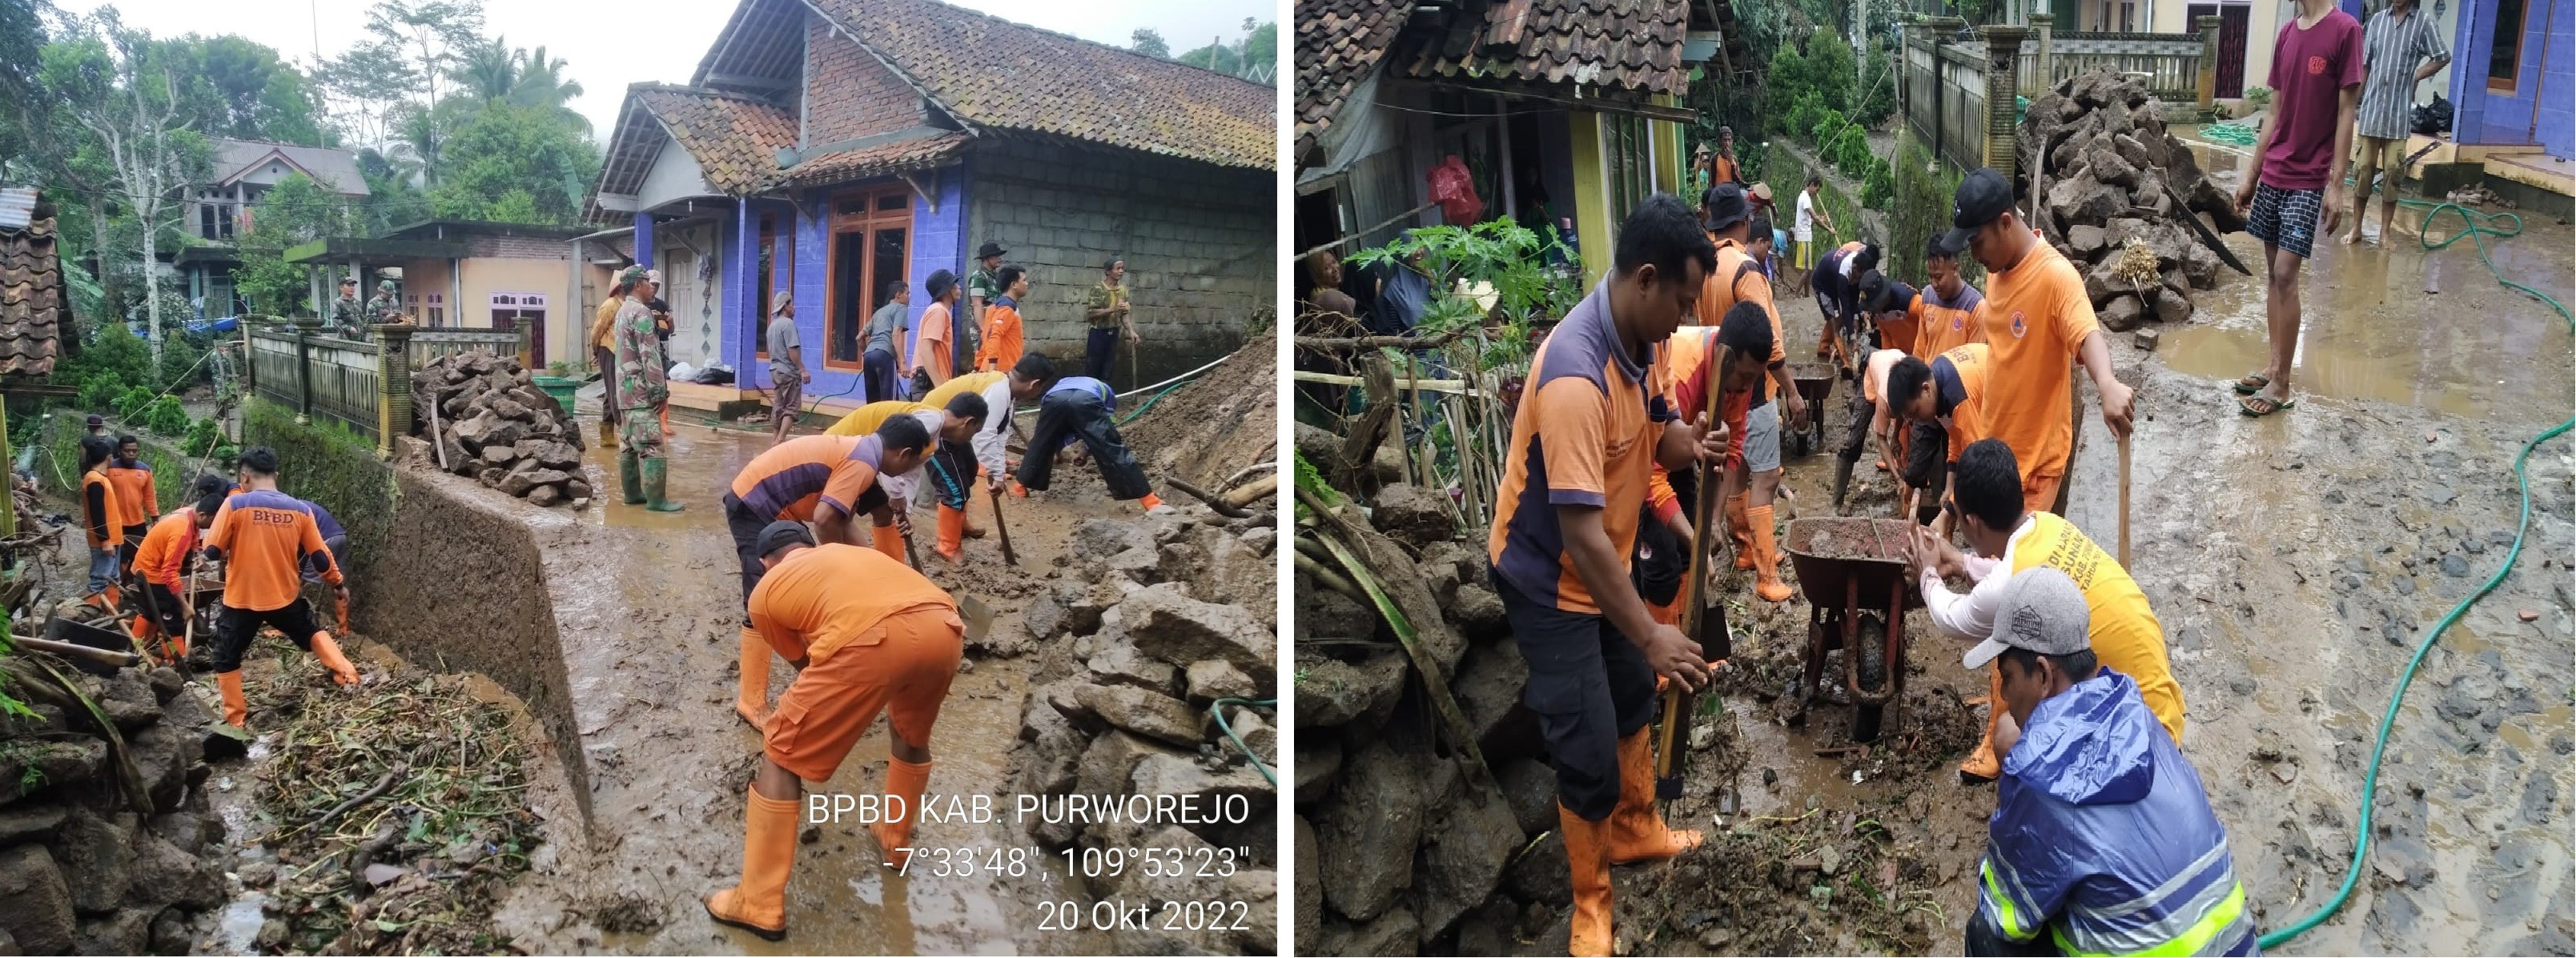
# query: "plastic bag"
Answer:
x=1455 y=190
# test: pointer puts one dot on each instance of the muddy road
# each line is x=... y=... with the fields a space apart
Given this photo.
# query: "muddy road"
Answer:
x=650 y=639
x=2295 y=562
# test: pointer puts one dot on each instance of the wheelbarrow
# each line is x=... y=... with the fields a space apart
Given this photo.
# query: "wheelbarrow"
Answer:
x=1853 y=572
x=1815 y=382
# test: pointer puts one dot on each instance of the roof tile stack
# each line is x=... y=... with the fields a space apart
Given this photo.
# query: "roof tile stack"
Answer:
x=31 y=300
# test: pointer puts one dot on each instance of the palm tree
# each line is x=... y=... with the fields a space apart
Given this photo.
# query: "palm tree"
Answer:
x=485 y=70
x=541 y=83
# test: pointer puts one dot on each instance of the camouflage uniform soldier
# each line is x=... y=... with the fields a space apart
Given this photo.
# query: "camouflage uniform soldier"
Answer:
x=344 y=311
x=385 y=307
x=642 y=388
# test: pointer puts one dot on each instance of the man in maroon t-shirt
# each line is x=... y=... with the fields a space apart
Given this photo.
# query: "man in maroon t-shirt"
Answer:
x=2298 y=174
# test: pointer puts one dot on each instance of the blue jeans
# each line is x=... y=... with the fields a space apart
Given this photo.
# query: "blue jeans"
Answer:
x=102 y=568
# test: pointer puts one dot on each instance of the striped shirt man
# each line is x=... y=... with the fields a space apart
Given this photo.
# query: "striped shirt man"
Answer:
x=2396 y=43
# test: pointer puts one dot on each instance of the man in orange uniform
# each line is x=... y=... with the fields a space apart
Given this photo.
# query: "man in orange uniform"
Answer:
x=1753 y=464
x=824 y=480
x=264 y=537
x=1003 y=338
x=161 y=562
x=136 y=498
x=1948 y=313
x=103 y=517
x=935 y=349
x=2039 y=322
x=1690 y=354
x=1590 y=428
x=1943 y=401
x=892 y=646
x=949 y=471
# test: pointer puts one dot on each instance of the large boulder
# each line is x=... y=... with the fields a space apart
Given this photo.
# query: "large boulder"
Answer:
x=1309 y=878
x=96 y=855
x=2107 y=165
x=1463 y=858
x=1368 y=831
x=2123 y=313
x=1117 y=662
x=1169 y=625
x=1318 y=766
x=1333 y=692
x=2081 y=200
x=35 y=902
x=1325 y=613
x=1488 y=689
x=1144 y=712
x=1412 y=514
x=1103 y=537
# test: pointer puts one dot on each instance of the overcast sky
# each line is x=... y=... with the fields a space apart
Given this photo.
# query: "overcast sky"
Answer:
x=606 y=62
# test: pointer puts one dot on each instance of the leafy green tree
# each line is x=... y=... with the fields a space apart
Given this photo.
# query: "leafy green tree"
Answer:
x=1254 y=56
x=296 y=210
x=507 y=149
x=1149 y=41
x=234 y=87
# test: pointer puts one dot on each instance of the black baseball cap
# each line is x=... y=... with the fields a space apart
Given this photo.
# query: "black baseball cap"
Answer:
x=1726 y=206
x=781 y=534
x=97 y=420
x=1984 y=197
x=1873 y=289
x=989 y=250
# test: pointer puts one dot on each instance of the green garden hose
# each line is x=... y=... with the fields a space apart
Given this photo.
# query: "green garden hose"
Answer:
x=1216 y=710
x=2370 y=781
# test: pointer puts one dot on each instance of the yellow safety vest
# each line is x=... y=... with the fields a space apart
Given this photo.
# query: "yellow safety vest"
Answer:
x=2125 y=633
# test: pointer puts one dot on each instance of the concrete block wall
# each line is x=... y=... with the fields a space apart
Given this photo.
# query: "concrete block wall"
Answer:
x=517 y=247
x=1199 y=241
x=851 y=94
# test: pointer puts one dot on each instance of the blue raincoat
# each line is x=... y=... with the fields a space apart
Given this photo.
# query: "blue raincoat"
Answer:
x=2103 y=838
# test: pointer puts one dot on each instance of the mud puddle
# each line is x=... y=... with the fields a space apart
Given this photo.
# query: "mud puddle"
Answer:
x=650 y=618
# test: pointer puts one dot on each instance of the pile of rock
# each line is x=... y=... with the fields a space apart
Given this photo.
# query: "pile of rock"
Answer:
x=85 y=866
x=1133 y=649
x=2098 y=148
x=1403 y=844
x=496 y=426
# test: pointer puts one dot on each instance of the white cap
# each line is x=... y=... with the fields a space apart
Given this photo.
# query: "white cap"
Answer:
x=2043 y=611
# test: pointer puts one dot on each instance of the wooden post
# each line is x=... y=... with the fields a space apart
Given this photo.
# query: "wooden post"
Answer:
x=2043 y=27
x=393 y=384
x=2208 y=27
x=2003 y=83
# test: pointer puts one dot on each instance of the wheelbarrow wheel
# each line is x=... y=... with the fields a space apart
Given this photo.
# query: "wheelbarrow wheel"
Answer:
x=1868 y=720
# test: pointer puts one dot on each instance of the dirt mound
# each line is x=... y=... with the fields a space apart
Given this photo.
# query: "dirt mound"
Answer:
x=1211 y=427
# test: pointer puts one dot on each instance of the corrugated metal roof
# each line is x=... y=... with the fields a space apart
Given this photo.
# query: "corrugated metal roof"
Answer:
x=17 y=206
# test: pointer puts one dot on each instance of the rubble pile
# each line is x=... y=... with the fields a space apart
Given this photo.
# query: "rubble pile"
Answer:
x=1175 y=611
x=493 y=424
x=1403 y=843
x=2110 y=175
x=104 y=821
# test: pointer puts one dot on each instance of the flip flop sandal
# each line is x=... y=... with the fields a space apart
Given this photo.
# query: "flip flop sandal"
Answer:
x=2258 y=382
x=2245 y=406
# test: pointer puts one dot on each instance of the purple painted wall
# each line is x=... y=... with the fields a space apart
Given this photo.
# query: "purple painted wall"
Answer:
x=2541 y=108
x=644 y=240
x=935 y=245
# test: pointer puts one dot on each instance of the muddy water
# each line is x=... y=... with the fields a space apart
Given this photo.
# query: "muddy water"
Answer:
x=649 y=609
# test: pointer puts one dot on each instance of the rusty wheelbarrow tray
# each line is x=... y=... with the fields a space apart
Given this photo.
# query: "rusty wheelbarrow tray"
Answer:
x=1815 y=382
x=1851 y=568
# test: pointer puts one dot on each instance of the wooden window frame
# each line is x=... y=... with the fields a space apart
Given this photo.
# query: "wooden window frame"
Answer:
x=866 y=222
x=2509 y=85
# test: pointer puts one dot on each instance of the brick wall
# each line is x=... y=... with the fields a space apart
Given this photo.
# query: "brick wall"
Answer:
x=1199 y=240
x=853 y=94
x=517 y=247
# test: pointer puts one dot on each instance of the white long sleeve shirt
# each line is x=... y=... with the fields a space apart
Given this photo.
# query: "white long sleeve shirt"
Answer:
x=907 y=486
x=1972 y=616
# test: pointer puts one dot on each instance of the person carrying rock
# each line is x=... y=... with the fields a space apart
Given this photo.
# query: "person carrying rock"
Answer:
x=603 y=350
x=949 y=470
x=2010 y=542
x=2040 y=324
x=1079 y=408
x=1002 y=334
x=2297 y=178
x=1594 y=421
x=891 y=647
x=1870 y=418
x=2102 y=837
x=824 y=480
x=1752 y=474
x=162 y=563
x=103 y=518
x=643 y=386
x=263 y=537
x=1941 y=402
x=1948 y=313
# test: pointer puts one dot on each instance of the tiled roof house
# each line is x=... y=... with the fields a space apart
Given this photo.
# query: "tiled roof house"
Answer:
x=830 y=148
x=1563 y=109
x=33 y=299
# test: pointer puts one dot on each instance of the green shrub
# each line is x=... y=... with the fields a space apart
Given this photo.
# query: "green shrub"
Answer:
x=129 y=406
x=1920 y=205
x=203 y=435
x=165 y=417
x=1878 y=187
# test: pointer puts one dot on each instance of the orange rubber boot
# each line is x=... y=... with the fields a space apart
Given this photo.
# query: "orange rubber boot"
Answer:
x=1637 y=832
x=1149 y=502
x=751 y=691
x=1740 y=528
x=1766 y=557
x=1019 y=491
x=1983 y=765
x=886 y=539
x=952 y=534
x=328 y=651
x=905 y=781
x=236 y=708
x=759 y=904
x=1587 y=853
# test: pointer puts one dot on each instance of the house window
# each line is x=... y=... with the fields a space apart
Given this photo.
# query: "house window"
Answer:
x=429 y=308
x=206 y=221
x=2504 y=62
x=871 y=246
x=1625 y=163
x=224 y=220
x=2128 y=17
x=523 y=310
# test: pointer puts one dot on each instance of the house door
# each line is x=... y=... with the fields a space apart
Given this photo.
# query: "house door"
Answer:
x=2233 y=22
x=514 y=311
x=871 y=247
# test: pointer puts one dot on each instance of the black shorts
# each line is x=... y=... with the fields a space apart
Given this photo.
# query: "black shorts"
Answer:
x=746 y=529
x=235 y=628
x=165 y=609
x=1589 y=686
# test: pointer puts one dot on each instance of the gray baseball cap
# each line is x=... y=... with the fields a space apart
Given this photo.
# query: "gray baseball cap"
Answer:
x=2042 y=612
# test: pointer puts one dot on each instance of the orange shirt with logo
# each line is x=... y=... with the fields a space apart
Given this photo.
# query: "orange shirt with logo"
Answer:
x=1739 y=278
x=1969 y=364
x=103 y=511
x=1946 y=323
x=135 y=496
x=2037 y=317
x=164 y=552
x=808 y=606
x=263 y=536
